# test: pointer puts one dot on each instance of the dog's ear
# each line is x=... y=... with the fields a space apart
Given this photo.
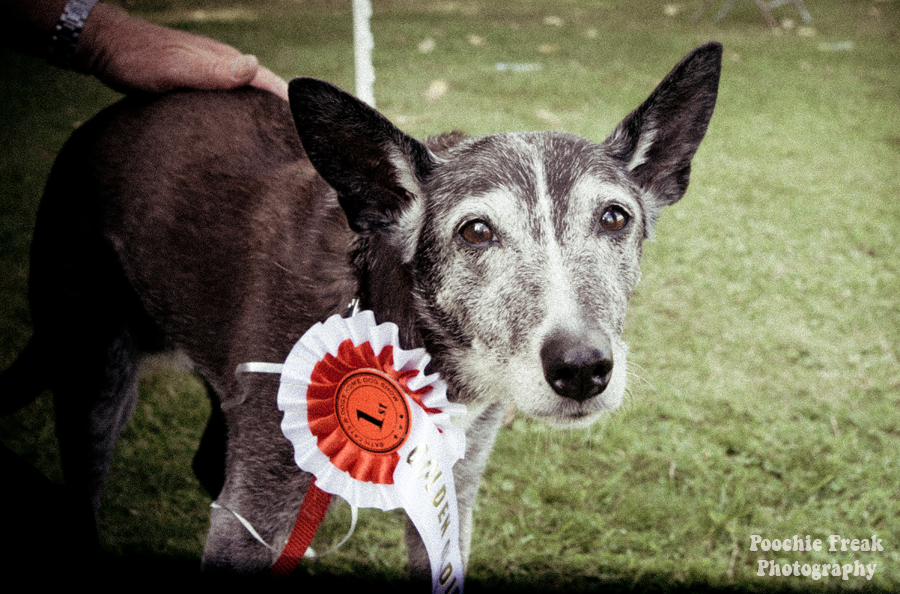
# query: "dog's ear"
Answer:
x=657 y=141
x=375 y=168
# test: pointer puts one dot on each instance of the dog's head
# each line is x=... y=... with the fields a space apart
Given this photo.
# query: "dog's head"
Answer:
x=511 y=257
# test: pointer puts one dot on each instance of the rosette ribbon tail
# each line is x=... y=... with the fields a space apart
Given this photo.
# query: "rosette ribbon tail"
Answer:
x=428 y=493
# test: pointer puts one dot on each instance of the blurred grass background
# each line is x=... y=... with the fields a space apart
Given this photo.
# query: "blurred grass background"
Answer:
x=765 y=335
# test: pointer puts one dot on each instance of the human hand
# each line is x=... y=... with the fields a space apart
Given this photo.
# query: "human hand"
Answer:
x=130 y=54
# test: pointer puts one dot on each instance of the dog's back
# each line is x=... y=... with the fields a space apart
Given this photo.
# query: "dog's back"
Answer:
x=194 y=222
x=222 y=176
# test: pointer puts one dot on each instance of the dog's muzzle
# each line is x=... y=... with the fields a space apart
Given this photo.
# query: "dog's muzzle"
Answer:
x=577 y=367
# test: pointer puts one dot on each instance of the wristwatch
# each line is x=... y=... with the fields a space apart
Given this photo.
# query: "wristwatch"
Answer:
x=67 y=31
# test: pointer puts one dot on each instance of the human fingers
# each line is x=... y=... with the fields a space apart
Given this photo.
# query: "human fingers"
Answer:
x=130 y=54
x=269 y=81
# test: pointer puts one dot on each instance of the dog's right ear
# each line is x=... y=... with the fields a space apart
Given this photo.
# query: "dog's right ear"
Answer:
x=657 y=141
x=376 y=169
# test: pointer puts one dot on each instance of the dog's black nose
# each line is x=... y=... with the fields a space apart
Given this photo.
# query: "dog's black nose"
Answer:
x=577 y=368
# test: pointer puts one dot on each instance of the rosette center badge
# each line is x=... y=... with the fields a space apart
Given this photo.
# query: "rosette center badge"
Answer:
x=372 y=411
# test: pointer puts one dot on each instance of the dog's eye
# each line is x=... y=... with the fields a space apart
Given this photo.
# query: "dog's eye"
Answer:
x=476 y=233
x=613 y=219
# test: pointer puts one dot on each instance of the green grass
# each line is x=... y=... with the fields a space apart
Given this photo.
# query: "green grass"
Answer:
x=765 y=334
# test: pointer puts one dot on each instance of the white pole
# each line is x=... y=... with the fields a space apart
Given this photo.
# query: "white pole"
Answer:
x=363 y=42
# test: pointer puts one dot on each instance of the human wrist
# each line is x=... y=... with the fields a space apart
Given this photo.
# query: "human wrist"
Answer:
x=91 y=52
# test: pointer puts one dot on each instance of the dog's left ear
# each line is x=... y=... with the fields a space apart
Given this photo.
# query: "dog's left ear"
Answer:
x=375 y=168
x=657 y=141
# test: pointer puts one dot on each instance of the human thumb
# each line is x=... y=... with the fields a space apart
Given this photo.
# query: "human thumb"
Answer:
x=242 y=69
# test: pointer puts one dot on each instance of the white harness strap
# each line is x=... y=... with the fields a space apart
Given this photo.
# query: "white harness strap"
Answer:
x=310 y=553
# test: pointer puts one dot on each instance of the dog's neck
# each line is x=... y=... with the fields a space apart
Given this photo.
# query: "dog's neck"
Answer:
x=384 y=285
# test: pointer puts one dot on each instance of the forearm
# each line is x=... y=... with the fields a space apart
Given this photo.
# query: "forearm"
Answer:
x=30 y=26
x=27 y=25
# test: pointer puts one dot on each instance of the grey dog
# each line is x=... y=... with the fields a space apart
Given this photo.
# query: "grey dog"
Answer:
x=203 y=224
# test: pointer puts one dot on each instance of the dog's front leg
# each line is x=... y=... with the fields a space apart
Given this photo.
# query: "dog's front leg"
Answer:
x=480 y=436
x=266 y=493
x=262 y=484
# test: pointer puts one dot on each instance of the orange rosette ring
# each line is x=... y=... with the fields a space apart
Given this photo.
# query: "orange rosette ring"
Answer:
x=357 y=410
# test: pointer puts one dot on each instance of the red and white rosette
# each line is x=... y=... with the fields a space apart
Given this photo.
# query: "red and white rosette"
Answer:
x=374 y=429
